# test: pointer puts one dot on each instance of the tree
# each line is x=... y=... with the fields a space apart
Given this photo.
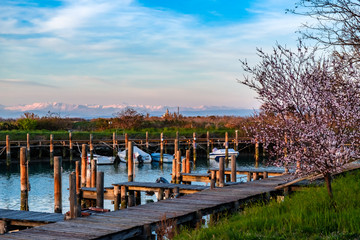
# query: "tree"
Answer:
x=337 y=23
x=28 y=121
x=128 y=118
x=310 y=114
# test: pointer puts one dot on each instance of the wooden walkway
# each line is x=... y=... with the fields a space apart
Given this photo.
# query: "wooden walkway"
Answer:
x=17 y=218
x=140 y=221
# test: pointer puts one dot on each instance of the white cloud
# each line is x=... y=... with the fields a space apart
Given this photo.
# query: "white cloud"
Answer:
x=102 y=45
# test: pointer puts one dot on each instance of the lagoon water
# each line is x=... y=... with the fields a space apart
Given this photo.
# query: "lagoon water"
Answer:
x=41 y=195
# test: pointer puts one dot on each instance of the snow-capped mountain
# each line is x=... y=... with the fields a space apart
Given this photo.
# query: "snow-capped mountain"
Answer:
x=95 y=111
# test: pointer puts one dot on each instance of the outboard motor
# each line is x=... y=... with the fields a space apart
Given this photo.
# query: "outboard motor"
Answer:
x=140 y=159
x=161 y=180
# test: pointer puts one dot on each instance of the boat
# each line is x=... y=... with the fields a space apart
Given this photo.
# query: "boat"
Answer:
x=167 y=158
x=101 y=160
x=218 y=153
x=139 y=156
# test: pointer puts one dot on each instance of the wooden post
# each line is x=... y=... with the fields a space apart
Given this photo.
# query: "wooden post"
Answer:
x=70 y=141
x=236 y=140
x=130 y=162
x=114 y=145
x=83 y=165
x=24 y=205
x=126 y=140
x=183 y=165
x=88 y=177
x=131 y=198
x=8 y=151
x=160 y=194
x=123 y=197
x=176 y=192
x=255 y=176
x=100 y=190
x=78 y=186
x=117 y=197
x=208 y=143
x=91 y=147
x=248 y=177
x=265 y=175
x=213 y=180
x=161 y=147
x=194 y=147
x=178 y=142
x=64 y=149
x=221 y=172
x=233 y=168
x=167 y=193
x=40 y=150
x=188 y=167
x=147 y=140
x=93 y=173
x=72 y=195
x=226 y=147
x=28 y=147
x=51 y=149
x=57 y=185
x=137 y=197
x=173 y=172
x=176 y=145
x=178 y=167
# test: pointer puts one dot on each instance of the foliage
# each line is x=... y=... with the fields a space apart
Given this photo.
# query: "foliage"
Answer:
x=28 y=121
x=304 y=215
x=311 y=109
x=336 y=23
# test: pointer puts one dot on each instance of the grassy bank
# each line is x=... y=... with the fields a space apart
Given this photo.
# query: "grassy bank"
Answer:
x=303 y=215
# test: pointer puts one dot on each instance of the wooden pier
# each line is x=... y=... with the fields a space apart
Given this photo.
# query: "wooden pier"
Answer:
x=140 y=221
x=14 y=219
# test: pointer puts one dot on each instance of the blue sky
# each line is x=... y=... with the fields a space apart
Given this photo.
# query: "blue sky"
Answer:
x=150 y=52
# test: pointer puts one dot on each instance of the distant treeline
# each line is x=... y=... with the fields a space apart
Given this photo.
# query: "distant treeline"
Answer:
x=128 y=119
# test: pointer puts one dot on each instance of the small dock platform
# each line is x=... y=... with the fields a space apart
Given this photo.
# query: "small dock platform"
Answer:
x=16 y=219
x=140 y=221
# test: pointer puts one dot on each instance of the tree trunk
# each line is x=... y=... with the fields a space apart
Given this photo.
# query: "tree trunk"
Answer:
x=327 y=177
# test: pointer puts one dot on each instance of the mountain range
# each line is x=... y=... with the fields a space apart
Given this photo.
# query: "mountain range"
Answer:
x=106 y=111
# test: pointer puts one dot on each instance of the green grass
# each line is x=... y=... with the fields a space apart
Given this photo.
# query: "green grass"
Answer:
x=304 y=215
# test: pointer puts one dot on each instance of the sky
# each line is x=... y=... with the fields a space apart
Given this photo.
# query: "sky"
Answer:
x=151 y=52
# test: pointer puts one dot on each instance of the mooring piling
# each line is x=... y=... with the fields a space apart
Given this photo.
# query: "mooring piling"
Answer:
x=130 y=162
x=24 y=178
x=57 y=185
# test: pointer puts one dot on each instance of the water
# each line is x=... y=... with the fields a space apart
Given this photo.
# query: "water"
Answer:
x=41 y=195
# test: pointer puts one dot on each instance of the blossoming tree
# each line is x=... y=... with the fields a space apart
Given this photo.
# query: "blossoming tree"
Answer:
x=310 y=114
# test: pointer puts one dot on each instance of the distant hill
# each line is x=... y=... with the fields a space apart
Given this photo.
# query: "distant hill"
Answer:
x=106 y=111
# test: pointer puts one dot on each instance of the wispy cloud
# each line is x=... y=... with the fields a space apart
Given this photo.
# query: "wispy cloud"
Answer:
x=19 y=82
x=120 y=46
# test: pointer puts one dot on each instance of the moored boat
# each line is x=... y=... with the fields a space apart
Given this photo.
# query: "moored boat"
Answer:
x=167 y=158
x=139 y=156
x=218 y=153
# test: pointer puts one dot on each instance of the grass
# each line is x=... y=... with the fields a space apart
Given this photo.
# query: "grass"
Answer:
x=304 y=215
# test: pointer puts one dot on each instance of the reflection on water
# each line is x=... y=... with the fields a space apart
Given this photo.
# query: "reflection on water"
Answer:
x=41 y=196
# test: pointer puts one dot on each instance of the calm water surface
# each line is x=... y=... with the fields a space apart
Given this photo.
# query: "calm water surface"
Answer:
x=41 y=195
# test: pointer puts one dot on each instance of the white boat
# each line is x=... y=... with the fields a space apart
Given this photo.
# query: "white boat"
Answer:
x=218 y=153
x=101 y=160
x=167 y=158
x=139 y=156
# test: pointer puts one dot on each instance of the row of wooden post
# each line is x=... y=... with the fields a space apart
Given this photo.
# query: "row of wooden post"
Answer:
x=115 y=143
